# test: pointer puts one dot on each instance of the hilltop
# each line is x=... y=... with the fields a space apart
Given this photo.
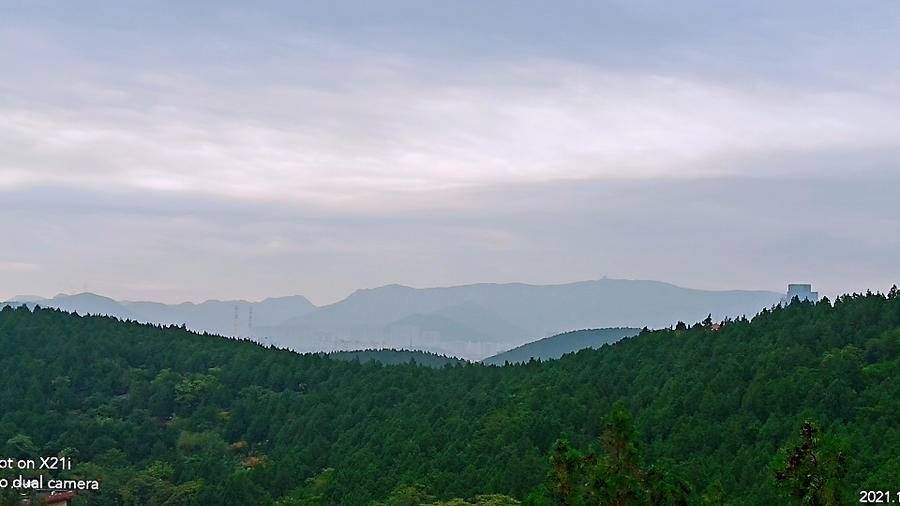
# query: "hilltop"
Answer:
x=468 y=321
x=166 y=413
x=556 y=346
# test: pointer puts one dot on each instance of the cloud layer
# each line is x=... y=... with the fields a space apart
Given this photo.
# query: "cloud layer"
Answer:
x=322 y=148
x=536 y=121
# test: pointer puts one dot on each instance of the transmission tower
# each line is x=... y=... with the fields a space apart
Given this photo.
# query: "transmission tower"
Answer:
x=250 y=323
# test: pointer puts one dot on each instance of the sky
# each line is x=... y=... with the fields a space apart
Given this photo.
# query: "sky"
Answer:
x=179 y=151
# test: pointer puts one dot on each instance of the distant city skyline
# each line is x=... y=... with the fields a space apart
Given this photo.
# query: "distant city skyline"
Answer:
x=214 y=150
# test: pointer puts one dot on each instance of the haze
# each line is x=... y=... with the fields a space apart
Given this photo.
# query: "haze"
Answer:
x=215 y=150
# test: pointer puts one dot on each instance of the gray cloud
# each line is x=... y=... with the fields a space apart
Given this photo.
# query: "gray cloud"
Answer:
x=336 y=146
x=714 y=232
x=213 y=150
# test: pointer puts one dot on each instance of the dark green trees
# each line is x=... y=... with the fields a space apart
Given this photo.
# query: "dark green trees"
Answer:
x=616 y=475
x=166 y=416
x=811 y=473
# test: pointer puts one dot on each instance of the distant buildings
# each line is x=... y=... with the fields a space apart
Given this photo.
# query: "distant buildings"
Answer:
x=802 y=291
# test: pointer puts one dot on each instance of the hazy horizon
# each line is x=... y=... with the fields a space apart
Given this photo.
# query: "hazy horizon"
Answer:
x=223 y=151
x=24 y=297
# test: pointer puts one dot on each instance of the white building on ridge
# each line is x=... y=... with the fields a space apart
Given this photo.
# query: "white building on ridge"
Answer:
x=802 y=291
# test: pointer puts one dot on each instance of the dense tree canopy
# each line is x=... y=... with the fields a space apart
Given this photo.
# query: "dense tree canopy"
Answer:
x=166 y=416
x=394 y=357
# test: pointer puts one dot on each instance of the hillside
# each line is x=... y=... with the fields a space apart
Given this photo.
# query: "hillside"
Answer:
x=480 y=320
x=82 y=303
x=166 y=416
x=213 y=316
x=468 y=321
x=396 y=357
x=560 y=344
x=218 y=316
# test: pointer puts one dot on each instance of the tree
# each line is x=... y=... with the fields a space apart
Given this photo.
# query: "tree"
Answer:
x=136 y=394
x=408 y=495
x=22 y=446
x=618 y=476
x=618 y=479
x=567 y=467
x=809 y=474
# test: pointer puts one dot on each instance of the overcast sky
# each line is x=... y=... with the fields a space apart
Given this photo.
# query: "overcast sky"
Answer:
x=153 y=150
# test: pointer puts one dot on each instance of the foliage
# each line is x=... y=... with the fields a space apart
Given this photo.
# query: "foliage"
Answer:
x=166 y=416
x=396 y=357
x=617 y=476
x=810 y=474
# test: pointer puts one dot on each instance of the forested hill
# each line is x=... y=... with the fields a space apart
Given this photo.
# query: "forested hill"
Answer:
x=166 y=416
x=560 y=344
x=395 y=357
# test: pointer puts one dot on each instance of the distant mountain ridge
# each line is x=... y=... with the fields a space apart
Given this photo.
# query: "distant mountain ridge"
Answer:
x=81 y=303
x=469 y=321
x=212 y=316
x=554 y=347
x=218 y=316
x=498 y=317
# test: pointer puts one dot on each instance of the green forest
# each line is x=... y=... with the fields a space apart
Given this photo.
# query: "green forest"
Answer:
x=394 y=357
x=796 y=404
